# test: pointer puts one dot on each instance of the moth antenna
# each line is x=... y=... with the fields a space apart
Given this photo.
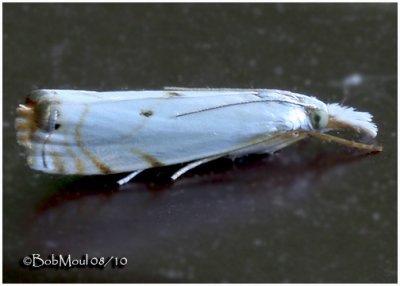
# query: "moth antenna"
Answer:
x=345 y=142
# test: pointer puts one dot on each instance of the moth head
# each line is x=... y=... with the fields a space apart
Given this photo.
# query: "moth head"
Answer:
x=342 y=117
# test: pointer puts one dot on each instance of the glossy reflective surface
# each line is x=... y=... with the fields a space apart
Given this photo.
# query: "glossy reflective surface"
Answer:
x=314 y=212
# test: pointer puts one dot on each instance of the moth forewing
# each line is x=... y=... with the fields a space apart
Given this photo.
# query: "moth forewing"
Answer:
x=87 y=132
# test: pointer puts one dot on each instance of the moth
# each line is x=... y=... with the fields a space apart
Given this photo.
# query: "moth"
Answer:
x=88 y=132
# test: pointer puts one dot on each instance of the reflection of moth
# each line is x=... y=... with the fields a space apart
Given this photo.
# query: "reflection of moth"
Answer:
x=87 y=132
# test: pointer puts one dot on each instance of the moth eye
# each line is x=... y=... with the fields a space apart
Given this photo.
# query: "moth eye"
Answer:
x=319 y=119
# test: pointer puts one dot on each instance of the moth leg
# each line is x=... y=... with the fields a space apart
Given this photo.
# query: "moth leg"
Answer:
x=192 y=165
x=126 y=179
x=345 y=142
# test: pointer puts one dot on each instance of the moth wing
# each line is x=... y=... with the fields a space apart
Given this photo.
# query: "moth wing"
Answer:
x=110 y=136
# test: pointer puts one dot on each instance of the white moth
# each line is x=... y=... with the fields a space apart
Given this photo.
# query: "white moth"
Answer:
x=88 y=132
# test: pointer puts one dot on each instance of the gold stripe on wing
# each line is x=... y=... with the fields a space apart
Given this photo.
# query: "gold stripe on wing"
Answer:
x=151 y=160
x=101 y=166
x=79 y=166
x=58 y=162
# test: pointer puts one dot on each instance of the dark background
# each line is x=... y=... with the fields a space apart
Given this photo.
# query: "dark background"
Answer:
x=314 y=212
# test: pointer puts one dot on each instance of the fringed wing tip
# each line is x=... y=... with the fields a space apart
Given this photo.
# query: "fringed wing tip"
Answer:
x=360 y=121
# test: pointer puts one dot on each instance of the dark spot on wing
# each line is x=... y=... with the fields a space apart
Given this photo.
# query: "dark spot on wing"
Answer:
x=147 y=113
x=173 y=94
